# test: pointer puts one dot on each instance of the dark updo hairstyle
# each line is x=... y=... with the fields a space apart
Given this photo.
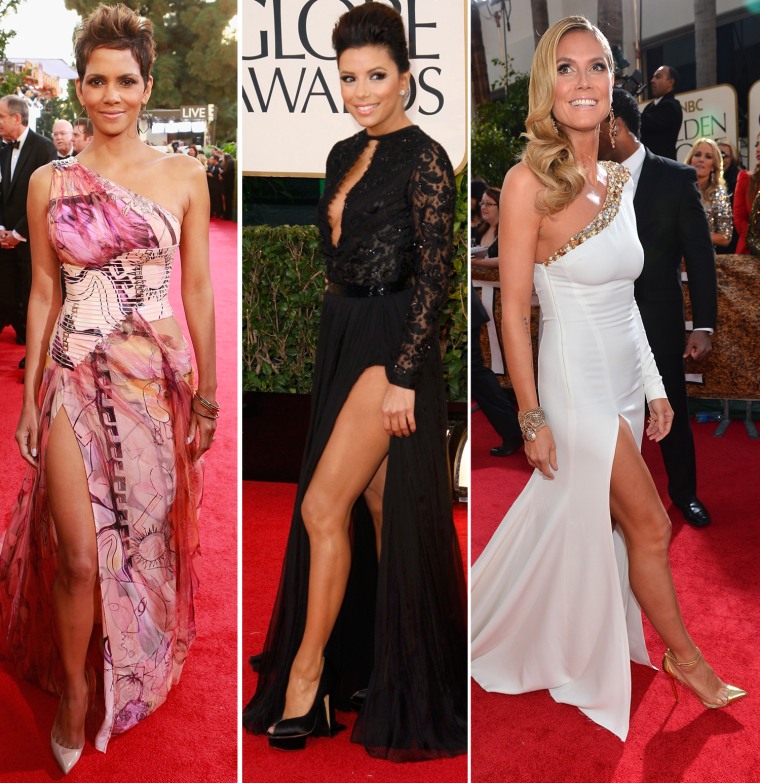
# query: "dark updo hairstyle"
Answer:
x=372 y=24
x=115 y=27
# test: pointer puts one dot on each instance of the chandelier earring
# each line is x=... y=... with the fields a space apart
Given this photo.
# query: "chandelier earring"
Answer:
x=554 y=124
x=613 y=128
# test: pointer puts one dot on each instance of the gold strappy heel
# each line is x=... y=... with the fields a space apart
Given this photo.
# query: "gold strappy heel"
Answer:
x=669 y=661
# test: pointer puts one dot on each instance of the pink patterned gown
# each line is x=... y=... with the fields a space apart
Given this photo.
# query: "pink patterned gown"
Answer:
x=127 y=392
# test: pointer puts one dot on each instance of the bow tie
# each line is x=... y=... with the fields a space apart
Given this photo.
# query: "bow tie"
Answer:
x=14 y=145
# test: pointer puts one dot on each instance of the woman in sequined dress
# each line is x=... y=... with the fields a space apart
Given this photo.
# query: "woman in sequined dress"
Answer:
x=705 y=157
x=96 y=573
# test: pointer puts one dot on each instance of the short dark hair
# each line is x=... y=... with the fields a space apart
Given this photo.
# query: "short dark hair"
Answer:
x=372 y=24
x=115 y=27
x=625 y=108
x=672 y=74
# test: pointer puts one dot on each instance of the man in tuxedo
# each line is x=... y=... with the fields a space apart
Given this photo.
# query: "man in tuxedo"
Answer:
x=671 y=225
x=63 y=138
x=662 y=118
x=82 y=134
x=26 y=152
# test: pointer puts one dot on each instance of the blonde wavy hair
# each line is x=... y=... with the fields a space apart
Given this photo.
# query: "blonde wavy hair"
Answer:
x=549 y=154
x=716 y=175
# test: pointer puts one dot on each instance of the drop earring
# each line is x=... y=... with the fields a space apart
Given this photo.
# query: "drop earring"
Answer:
x=143 y=116
x=613 y=128
x=554 y=124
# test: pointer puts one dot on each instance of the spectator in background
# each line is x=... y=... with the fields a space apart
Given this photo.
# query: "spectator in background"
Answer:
x=477 y=189
x=192 y=151
x=487 y=232
x=215 y=187
x=731 y=168
x=63 y=138
x=25 y=152
x=82 y=135
x=747 y=207
x=661 y=119
x=705 y=157
x=228 y=185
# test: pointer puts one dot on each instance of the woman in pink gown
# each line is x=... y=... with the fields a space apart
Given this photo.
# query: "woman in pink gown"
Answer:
x=113 y=423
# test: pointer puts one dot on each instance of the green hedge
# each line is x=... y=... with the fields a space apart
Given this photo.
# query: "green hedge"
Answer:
x=283 y=283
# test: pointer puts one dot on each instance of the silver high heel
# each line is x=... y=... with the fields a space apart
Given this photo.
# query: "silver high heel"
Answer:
x=66 y=757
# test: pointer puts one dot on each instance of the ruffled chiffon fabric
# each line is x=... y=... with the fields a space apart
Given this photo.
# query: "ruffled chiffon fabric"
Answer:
x=128 y=401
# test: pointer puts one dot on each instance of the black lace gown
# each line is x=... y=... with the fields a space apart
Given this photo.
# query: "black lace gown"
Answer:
x=402 y=629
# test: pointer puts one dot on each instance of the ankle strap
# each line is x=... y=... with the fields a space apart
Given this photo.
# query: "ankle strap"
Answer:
x=681 y=664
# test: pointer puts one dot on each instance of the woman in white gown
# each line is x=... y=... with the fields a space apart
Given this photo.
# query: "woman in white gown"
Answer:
x=552 y=604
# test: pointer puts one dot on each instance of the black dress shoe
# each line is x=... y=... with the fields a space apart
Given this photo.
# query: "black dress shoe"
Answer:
x=507 y=447
x=694 y=513
x=22 y=364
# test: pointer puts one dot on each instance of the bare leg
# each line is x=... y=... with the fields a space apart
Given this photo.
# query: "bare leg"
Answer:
x=373 y=495
x=636 y=507
x=357 y=446
x=74 y=586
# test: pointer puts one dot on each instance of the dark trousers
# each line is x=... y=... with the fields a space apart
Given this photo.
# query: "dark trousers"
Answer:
x=489 y=395
x=678 y=447
x=15 y=285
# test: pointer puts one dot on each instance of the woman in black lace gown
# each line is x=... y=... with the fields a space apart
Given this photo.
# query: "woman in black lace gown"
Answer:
x=372 y=591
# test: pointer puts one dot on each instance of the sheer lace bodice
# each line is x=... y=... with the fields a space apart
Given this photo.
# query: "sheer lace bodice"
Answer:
x=396 y=225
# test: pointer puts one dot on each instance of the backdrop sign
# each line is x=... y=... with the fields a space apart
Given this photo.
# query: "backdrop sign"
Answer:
x=291 y=105
x=709 y=113
x=753 y=121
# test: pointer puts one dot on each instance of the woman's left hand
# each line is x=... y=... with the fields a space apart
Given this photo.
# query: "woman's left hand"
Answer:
x=660 y=419
x=398 y=411
x=204 y=428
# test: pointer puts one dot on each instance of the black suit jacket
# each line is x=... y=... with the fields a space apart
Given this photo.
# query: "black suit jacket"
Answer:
x=36 y=152
x=672 y=225
x=661 y=124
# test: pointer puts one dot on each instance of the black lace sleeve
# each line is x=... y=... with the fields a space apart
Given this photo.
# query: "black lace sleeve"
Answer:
x=432 y=197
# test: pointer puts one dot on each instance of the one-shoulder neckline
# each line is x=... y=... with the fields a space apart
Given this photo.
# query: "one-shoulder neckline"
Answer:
x=617 y=176
x=102 y=177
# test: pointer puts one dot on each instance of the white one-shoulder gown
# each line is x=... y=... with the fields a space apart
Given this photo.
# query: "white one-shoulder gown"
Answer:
x=551 y=603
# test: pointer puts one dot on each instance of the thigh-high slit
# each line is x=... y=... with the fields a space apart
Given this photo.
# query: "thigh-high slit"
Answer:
x=401 y=631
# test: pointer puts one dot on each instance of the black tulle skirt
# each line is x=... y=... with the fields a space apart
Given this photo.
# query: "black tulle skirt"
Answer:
x=402 y=630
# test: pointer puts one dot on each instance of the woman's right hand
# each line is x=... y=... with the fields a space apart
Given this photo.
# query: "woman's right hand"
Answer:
x=27 y=434
x=542 y=453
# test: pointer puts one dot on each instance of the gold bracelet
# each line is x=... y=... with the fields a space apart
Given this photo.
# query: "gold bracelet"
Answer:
x=531 y=421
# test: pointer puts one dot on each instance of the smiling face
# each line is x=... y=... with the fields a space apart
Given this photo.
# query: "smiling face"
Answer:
x=584 y=82
x=371 y=85
x=112 y=91
x=703 y=160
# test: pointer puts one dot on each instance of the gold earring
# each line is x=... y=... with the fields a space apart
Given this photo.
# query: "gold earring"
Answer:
x=613 y=128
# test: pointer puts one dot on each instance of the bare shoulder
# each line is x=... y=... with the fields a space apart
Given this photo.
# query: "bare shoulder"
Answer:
x=39 y=182
x=182 y=169
x=521 y=186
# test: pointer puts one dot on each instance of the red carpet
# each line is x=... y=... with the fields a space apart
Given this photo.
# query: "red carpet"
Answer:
x=266 y=519
x=531 y=738
x=193 y=736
